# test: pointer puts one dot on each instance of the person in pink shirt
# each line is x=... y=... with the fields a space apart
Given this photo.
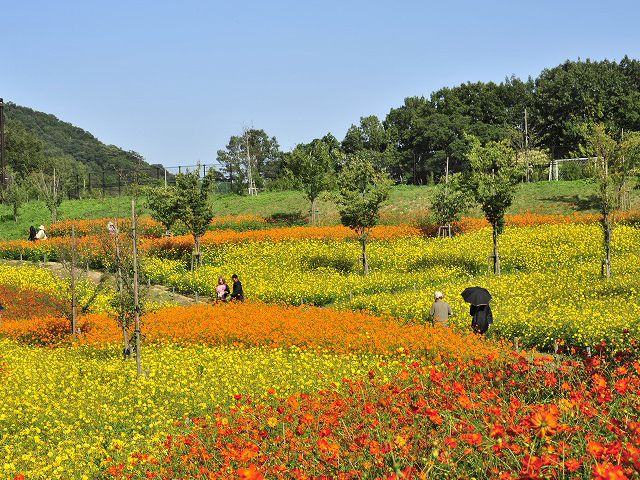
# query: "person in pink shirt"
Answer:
x=222 y=289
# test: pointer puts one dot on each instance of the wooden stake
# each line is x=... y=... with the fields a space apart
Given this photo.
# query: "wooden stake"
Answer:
x=73 y=279
x=136 y=302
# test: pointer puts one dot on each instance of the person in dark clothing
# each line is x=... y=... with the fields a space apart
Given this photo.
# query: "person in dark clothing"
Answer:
x=481 y=318
x=237 y=293
x=32 y=233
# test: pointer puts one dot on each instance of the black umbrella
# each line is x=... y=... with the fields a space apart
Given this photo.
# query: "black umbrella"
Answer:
x=476 y=295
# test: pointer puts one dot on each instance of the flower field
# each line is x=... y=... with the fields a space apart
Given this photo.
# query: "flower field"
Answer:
x=550 y=289
x=359 y=386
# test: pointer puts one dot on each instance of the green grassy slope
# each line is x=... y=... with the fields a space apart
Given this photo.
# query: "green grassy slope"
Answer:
x=542 y=197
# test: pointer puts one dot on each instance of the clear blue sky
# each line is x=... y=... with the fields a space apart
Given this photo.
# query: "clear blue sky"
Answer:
x=174 y=80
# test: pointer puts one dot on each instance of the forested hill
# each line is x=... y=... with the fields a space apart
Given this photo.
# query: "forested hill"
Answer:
x=62 y=138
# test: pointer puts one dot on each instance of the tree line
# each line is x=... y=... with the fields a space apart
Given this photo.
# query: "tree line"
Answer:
x=541 y=119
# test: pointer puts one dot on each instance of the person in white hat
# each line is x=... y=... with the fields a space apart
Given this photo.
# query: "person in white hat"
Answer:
x=440 y=311
x=41 y=235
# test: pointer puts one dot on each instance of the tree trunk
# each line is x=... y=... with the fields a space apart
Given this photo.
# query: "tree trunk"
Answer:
x=606 y=263
x=496 y=257
x=365 y=262
x=313 y=211
x=54 y=215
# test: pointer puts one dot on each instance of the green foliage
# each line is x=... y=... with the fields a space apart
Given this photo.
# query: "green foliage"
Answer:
x=574 y=93
x=449 y=202
x=492 y=182
x=311 y=165
x=493 y=179
x=23 y=150
x=252 y=154
x=15 y=195
x=362 y=191
x=192 y=207
x=613 y=162
x=163 y=203
x=50 y=137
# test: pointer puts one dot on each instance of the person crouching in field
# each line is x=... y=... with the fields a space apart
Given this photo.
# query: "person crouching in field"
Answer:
x=41 y=235
x=237 y=293
x=222 y=289
x=440 y=311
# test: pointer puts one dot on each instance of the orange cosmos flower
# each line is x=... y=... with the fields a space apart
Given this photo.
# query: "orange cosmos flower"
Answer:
x=250 y=473
x=544 y=423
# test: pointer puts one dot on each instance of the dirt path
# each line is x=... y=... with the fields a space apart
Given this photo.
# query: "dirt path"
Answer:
x=157 y=293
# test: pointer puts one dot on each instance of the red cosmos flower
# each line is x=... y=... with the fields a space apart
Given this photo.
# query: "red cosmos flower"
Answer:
x=606 y=471
x=451 y=442
x=621 y=371
x=465 y=402
x=250 y=473
x=622 y=385
x=369 y=409
x=595 y=449
x=497 y=431
x=572 y=464
x=472 y=438
x=599 y=383
x=434 y=416
x=458 y=388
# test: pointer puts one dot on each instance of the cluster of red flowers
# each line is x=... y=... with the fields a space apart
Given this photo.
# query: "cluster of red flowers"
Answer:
x=524 y=419
x=21 y=303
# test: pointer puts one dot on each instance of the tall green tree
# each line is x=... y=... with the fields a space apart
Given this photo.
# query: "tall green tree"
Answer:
x=192 y=206
x=254 y=156
x=492 y=182
x=614 y=162
x=578 y=92
x=311 y=164
x=362 y=191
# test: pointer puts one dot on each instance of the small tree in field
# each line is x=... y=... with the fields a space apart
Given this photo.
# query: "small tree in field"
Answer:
x=492 y=183
x=163 y=203
x=310 y=164
x=614 y=163
x=449 y=201
x=362 y=191
x=193 y=207
x=15 y=195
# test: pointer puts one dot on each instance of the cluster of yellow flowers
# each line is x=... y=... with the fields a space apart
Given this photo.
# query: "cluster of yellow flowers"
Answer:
x=551 y=287
x=63 y=411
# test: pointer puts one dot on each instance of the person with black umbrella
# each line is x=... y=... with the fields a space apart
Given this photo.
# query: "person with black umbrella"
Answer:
x=480 y=310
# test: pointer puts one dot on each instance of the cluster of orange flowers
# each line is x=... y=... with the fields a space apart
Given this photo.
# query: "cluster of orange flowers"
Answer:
x=474 y=419
x=254 y=323
x=146 y=226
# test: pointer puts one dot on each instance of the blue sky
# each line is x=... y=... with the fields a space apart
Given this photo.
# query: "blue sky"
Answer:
x=174 y=80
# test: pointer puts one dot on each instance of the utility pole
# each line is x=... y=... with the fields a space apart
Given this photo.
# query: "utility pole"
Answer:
x=446 y=178
x=252 y=185
x=526 y=142
x=3 y=179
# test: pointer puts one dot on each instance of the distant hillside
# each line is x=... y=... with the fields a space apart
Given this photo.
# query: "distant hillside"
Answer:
x=63 y=138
